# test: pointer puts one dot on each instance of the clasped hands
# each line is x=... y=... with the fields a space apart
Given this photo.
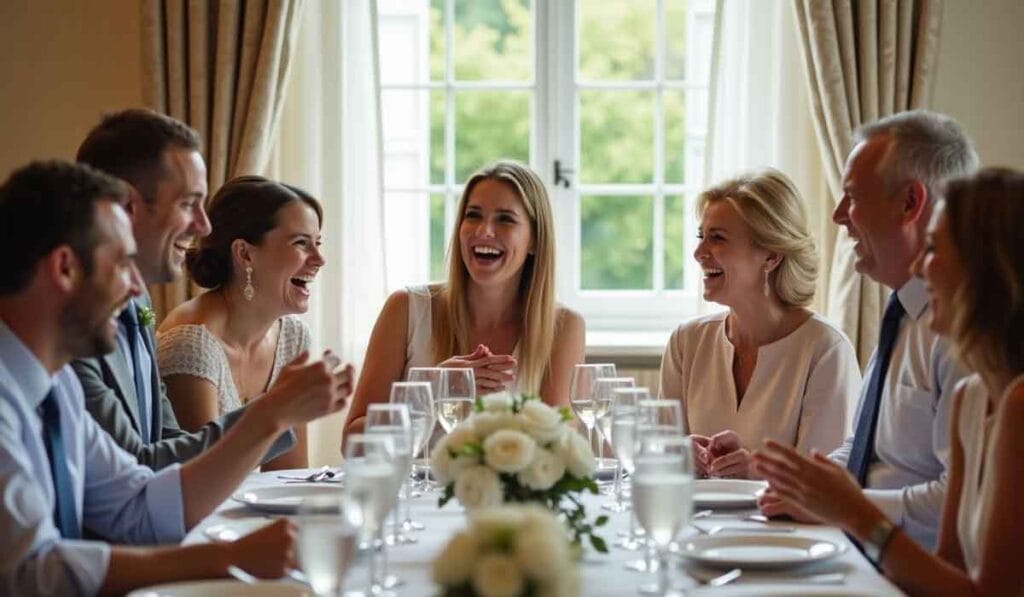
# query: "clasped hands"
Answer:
x=492 y=372
x=721 y=455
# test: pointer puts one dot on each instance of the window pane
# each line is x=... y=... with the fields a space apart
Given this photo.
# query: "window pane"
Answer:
x=616 y=39
x=492 y=40
x=438 y=242
x=616 y=136
x=490 y=125
x=675 y=39
x=437 y=40
x=617 y=244
x=674 y=106
x=405 y=136
x=437 y=155
x=675 y=242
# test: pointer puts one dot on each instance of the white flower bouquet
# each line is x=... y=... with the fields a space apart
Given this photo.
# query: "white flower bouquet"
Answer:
x=508 y=551
x=518 y=449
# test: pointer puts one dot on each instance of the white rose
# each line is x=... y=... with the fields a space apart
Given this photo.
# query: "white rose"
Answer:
x=486 y=423
x=539 y=517
x=564 y=584
x=492 y=526
x=574 y=450
x=498 y=402
x=544 y=471
x=454 y=565
x=508 y=450
x=498 y=576
x=478 y=487
x=541 y=555
x=445 y=468
x=542 y=422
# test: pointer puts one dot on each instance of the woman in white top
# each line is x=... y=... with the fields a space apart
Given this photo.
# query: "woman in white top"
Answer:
x=767 y=367
x=227 y=346
x=973 y=264
x=496 y=313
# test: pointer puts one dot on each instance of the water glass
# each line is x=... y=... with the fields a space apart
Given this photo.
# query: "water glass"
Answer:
x=416 y=395
x=370 y=484
x=328 y=534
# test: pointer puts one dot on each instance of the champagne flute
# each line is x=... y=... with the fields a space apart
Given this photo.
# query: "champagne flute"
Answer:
x=458 y=393
x=603 y=389
x=663 y=496
x=421 y=466
x=623 y=414
x=417 y=397
x=328 y=533
x=392 y=421
x=369 y=483
x=581 y=393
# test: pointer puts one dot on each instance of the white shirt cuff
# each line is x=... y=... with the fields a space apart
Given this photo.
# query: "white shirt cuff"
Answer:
x=165 y=505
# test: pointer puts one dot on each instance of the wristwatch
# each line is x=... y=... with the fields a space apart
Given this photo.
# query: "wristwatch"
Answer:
x=878 y=539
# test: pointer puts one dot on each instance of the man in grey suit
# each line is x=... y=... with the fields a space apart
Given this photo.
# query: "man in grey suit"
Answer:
x=159 y=159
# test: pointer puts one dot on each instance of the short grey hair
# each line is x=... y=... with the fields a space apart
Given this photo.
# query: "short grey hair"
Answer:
x=925 y=146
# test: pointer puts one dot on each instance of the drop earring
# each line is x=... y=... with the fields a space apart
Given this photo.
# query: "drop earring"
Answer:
x=767 y=287
x=248 y=292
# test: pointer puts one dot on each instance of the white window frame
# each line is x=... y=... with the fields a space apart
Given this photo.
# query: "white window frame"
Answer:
x=554 y=135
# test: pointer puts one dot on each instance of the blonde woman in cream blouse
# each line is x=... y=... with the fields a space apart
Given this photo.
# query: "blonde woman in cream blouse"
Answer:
x=767 y=368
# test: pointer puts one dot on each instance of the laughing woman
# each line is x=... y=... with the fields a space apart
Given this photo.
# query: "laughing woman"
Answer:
x=495 y=314
x=226 y=346
x=767 y=367
x=973 y=266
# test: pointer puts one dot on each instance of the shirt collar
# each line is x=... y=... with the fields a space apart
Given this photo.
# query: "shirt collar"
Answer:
x=27 y=372
x=913 y=297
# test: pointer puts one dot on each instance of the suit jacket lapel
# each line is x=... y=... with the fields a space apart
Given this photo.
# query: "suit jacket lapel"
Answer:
x=155 y=407
x=116 y=362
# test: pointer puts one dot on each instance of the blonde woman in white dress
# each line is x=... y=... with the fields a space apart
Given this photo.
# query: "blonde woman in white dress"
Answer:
x=496 y=313
x=766 y=368
x=973 y=264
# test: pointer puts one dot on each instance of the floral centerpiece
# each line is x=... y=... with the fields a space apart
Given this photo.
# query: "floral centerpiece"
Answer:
x=518 y=449
x=508 y=551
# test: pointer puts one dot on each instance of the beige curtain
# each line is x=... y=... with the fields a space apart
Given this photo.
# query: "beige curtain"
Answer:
x=221 y=66
x=864 y=59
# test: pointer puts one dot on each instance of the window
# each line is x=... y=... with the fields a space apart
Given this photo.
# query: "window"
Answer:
x=608 y=96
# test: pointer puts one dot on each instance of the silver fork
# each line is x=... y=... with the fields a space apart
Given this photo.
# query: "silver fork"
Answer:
x=322 y=474
x=724 y=579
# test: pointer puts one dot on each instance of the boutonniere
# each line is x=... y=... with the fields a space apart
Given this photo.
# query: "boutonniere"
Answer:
x=146 y=315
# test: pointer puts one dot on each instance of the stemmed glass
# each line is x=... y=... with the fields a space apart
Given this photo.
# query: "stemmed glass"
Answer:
x=662 y=496
x=603 y=389
x=392 y=421
x=417 y=397
x=421 y=466
x=581 y=393
x=370 y=484
x=458 y=393
x=623 y=414
x=328 y=533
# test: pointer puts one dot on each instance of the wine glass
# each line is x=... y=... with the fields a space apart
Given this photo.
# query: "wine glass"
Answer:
x=421 y=466
x=328 y=533
x=662 y=496
x=581 y=393
x=458 y=393
x=623 y=415
x=392 y=421
x=416 y=396
x=603 y=389
x=370 y=484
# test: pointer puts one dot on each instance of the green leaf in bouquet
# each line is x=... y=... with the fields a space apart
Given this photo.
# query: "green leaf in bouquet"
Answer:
x=598 y=544
x=449 y=493
x=566 y=413
x=601 y=521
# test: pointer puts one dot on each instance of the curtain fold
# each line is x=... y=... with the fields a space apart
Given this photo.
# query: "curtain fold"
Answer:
x=330 y=144
x=864 y=59
x=222 y=67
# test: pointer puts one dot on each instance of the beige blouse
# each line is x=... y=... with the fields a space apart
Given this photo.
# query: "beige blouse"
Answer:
x=803 y=390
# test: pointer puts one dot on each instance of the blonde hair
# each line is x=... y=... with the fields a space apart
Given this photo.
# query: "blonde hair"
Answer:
x=772 y=208
x=536 y=289
x=984 y=213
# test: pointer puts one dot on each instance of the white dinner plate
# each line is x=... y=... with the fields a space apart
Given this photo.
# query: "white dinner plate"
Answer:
x=758 y=550
x=726 y=493
x=757 y=590
x=224 y=588
x=283 y=499
x=233 y=530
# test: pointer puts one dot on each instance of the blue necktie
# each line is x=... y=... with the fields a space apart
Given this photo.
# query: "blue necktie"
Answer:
x=864 y=437
x=129 y=319
x=64 y=514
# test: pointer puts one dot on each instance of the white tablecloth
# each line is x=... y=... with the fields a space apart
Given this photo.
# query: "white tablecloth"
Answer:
x=601 y=574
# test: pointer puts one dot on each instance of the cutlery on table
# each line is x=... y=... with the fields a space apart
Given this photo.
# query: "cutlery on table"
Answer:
x=724 y=579
x=239 y=574
x=322 y=474
x=715 y=530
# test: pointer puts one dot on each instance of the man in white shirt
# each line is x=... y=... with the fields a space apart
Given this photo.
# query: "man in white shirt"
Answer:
x=69 y=270
x=900 y=443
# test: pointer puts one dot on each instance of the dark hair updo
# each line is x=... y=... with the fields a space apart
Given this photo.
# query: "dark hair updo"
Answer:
x=244 y=208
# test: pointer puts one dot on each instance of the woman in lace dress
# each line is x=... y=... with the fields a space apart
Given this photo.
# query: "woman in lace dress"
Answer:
x=973 y=264
x=496 y=313
x=226 y=346
x=767 y=367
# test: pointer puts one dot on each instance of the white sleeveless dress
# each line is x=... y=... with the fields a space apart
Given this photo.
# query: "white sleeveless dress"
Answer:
x=974 y=430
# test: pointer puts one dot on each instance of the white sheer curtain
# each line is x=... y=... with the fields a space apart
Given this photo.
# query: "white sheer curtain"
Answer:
x=760 y=115
x=329 y=144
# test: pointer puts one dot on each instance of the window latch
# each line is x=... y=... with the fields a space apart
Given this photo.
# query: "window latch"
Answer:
x=562 y=174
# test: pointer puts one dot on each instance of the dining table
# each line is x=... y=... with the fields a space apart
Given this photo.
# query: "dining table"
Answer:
x=847 y=573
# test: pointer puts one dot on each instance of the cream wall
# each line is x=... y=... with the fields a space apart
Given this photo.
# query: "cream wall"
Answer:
x=62 y=65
